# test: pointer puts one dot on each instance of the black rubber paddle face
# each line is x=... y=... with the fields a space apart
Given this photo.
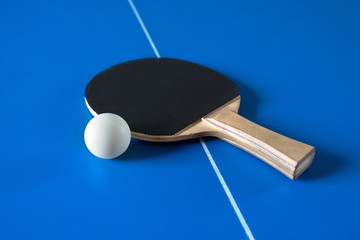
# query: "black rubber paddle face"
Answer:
x=159 y=96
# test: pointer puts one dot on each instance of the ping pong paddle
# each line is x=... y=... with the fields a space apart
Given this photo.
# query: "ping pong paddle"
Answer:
x=165 y=100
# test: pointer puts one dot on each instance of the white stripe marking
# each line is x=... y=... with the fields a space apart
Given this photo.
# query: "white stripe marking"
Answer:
x=213 y=164
x=144 y=28
x=227 y=191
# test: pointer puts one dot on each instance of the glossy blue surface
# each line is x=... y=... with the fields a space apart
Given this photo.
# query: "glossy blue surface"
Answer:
x=297 y=65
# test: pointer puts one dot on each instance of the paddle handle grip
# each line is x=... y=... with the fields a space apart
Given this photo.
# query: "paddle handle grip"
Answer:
x=287 y=155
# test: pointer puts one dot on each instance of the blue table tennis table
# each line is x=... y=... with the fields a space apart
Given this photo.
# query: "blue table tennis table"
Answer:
x=296 y=63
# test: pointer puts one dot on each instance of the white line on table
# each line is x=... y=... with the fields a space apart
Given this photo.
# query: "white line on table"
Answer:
x=227 y=191
x=144 y=28
x=211 y=159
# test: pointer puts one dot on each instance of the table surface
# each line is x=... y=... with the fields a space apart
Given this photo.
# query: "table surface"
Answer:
x=297 y=67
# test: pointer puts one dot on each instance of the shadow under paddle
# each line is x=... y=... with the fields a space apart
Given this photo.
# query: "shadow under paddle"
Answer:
x=325 y=164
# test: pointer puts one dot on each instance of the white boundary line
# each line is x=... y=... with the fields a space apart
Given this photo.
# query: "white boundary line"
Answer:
x=227 y=191
x=144 y=28
x=213 y=164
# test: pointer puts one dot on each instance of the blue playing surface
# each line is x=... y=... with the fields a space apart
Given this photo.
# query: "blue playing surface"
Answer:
x=296 y=63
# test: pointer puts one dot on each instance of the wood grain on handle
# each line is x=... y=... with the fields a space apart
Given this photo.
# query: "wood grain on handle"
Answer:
x=287 y=155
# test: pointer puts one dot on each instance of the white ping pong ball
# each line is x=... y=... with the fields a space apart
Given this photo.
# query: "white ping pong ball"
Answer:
x=107 y=135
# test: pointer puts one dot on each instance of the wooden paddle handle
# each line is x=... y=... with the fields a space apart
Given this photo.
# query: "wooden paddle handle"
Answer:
x=287 y=155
